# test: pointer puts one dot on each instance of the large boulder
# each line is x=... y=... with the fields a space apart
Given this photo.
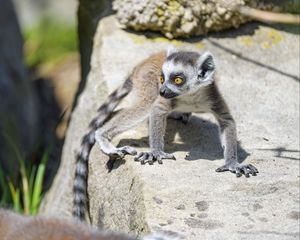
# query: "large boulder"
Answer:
x=185 y=18
x=259 y=78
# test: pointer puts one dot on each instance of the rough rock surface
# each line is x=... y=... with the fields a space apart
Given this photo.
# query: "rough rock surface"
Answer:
x=259 y=77
x=184 y=18
x=89 y=14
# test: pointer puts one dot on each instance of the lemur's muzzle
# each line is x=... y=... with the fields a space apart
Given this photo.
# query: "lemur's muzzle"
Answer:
x=166 y=92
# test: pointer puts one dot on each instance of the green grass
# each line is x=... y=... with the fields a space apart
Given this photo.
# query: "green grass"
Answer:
x=49 y=41
x=25 y=196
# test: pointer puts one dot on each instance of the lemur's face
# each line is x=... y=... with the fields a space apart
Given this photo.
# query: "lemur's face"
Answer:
x=185 y=72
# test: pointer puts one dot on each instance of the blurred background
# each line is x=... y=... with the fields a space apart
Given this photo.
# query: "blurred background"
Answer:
x=39 y=74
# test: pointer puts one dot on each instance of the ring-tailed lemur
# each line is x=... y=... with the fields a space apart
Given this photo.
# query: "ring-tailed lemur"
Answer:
x=17 y=227
x=172 y=82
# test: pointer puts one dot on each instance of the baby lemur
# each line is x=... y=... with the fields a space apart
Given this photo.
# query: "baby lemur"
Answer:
x=17 y=227
x=173 y=83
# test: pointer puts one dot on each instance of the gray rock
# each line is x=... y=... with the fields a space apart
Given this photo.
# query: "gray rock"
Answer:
x=89 y=14
x=185 y=18
x=259 y=77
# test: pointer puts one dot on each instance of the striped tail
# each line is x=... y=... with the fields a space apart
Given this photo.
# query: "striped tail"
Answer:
x=80 y=200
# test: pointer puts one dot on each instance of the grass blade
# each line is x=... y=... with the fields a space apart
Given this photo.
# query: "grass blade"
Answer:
x=25 y=188
x=31 y=178
x=38 y=184
x=15 y=193
x=25 y=185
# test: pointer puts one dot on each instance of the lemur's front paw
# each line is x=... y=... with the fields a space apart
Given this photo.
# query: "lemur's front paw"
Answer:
x=122 y=151
x=150 y=157
x=239 y=169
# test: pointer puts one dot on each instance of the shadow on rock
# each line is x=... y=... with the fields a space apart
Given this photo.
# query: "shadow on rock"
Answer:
x=200 y=138
x=112 y=164
x=281 y=152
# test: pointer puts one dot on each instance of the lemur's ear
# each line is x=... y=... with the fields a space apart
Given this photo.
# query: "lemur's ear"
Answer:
x=171 y=49
x=206 y=61
x=206 y=67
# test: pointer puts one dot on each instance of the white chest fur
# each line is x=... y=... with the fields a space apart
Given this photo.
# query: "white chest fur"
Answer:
x=196 y=102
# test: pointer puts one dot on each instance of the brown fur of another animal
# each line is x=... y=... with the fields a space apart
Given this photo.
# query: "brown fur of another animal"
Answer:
x=17 y=227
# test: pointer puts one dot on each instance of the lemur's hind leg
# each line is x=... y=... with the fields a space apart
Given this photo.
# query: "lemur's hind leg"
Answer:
x=124 y=120
x=184 y=117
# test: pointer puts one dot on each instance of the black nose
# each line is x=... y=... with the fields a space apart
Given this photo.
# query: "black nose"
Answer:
x=162 y=92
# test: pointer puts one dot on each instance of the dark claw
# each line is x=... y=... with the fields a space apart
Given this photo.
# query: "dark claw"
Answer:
x=239 y=170
x=246 y=171
x=222 y=169
x=150 y=157
x=150 y=162
x=144 y=157
x=137 y=159
x=253 y=169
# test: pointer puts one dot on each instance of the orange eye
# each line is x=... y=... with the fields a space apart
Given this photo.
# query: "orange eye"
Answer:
x=161 y=79
x=178 y=81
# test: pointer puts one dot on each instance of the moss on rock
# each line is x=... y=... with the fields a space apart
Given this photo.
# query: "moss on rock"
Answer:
x=183 y=18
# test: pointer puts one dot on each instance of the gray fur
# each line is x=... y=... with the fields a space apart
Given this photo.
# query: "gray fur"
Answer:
x=197 y=93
